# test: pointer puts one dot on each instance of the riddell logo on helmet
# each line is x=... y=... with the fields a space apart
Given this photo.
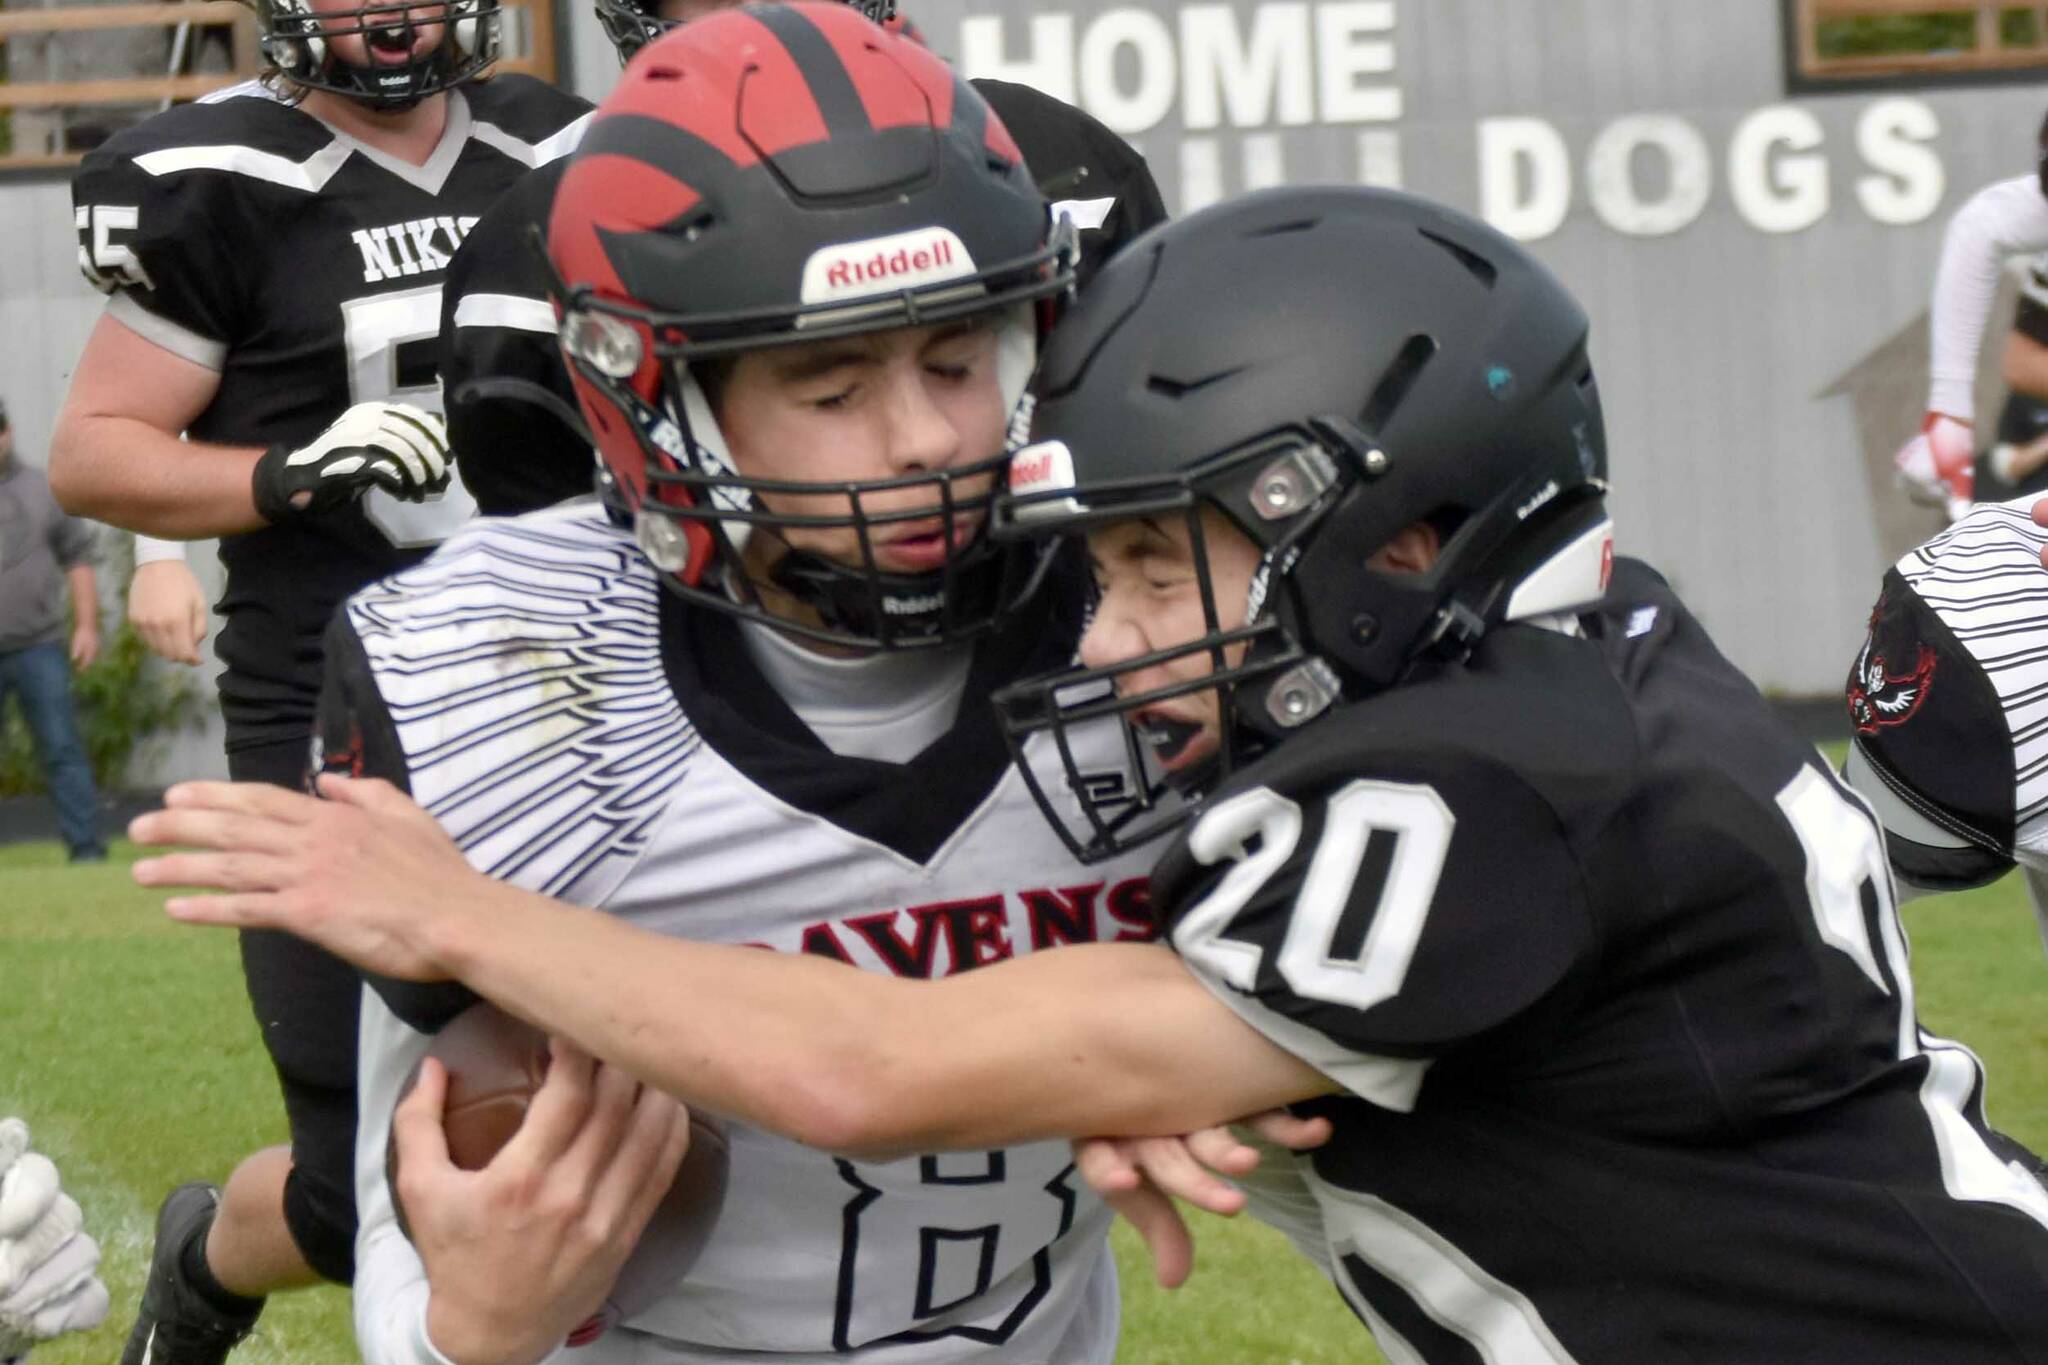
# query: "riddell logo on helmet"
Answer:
x=1040 y=469
x=884 y=265
x=1036 y=468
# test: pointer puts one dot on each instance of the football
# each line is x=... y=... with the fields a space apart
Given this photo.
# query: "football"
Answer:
x=495 y=1064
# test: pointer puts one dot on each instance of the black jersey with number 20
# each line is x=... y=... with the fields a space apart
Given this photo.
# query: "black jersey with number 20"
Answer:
x=305 y=267
x=1607 y=964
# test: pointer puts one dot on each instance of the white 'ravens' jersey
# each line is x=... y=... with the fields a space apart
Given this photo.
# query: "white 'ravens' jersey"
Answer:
x=553 y=711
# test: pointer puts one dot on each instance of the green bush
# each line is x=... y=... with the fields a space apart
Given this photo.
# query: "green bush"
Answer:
x=125 y=704
x=1890 y=35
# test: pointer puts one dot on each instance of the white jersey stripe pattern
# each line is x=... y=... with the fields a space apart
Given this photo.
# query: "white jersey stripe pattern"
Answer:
x=570 y=782
x=1983 y=576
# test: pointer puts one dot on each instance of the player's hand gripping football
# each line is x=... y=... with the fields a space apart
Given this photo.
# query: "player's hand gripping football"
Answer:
x=520 y=1253
x=366 y=874
x=49 y=1281
x=394 y=446
x=1141 y=1177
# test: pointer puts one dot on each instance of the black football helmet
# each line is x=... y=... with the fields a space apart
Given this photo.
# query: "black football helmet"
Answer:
x=298 y=42
x=781 y=174
x=633 y=24
x=1326 y=367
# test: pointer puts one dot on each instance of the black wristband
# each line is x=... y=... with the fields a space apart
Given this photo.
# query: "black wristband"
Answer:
x=267 y=488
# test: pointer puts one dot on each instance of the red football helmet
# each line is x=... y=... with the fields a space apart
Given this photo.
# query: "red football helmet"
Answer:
x=781 y=174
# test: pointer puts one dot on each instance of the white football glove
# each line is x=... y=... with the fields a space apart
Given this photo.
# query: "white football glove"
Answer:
x=49 y=1281
x=1937 y=468
x=394 y=446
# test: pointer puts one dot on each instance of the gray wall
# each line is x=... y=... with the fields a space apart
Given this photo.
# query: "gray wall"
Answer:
x=1742 y=346
x=1758 y=301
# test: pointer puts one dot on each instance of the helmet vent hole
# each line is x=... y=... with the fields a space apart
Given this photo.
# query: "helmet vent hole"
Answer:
x=663 y=73
x=1482 y=269
x=1168 y=387
x=1400 y=377
x=1281 y=229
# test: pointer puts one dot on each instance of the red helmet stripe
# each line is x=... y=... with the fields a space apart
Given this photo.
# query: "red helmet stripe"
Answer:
x=630 y=195
x=996 y=137
x=778 y=108
x=899 y=85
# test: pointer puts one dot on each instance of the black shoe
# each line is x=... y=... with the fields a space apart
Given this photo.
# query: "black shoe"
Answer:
x=177 y=1325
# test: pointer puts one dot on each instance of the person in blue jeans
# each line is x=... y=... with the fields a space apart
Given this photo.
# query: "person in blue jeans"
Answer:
x=42 y=552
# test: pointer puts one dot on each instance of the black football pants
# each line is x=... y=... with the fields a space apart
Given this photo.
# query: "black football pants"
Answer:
x=307 y=1002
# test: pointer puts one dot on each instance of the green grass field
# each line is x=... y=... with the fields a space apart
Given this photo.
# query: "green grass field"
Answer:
x=129 y=1048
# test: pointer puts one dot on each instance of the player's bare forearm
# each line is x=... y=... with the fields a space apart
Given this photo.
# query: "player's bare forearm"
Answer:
x=1102 y=1038
x=127 y=473
x=117 y=454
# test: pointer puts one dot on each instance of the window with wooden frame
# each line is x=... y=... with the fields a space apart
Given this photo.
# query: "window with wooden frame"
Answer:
x=76 y=72
x=1835 y=45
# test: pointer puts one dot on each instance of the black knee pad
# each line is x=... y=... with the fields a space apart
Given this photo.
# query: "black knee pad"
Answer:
x=321 y=1215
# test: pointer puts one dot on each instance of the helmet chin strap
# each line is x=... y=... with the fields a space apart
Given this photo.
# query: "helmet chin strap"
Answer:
x=1572 y=577
x=1016 y=354
x=712 y=455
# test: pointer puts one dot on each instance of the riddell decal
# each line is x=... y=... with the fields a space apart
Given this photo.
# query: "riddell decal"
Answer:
x=1879 y=699
x=884 y=265
x=1038 y=468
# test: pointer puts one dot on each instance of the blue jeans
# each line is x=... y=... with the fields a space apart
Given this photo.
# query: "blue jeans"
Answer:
x=41 y=677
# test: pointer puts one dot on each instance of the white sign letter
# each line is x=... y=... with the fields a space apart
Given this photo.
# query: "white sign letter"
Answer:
x=1344 y=54
x=1610 y=175
x=1892 y=136
x=1217 y=70
x=1792 y=195
x=1152 y=44
x=1525 y=177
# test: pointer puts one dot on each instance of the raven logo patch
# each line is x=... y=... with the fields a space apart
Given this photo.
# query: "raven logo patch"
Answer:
x=1878 y=698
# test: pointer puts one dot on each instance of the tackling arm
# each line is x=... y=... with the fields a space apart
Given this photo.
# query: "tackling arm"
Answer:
x=1087 y=1039
x=1098 y=1038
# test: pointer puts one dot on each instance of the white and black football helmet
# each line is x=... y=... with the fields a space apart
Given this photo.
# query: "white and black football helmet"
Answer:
x=299 y=42
x=1325 y=366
